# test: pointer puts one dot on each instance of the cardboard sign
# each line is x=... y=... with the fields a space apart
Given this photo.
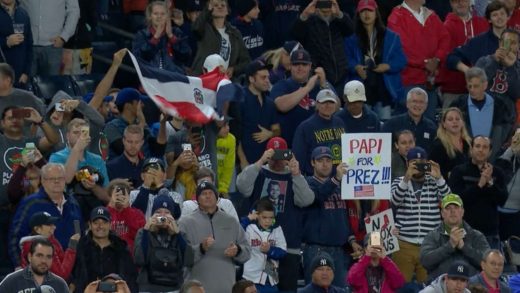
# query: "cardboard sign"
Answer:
x=384 y=223
x=369 y=160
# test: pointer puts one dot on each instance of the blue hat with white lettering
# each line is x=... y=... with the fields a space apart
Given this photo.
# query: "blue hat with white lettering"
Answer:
x=321 y=260
x=417 y=153
x=100 y=213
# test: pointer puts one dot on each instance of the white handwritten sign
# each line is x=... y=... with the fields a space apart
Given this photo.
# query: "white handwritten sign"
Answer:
x=369 y=160
x=384 y=223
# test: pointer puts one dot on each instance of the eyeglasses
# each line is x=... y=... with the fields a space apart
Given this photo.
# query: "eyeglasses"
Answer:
x=55 y=179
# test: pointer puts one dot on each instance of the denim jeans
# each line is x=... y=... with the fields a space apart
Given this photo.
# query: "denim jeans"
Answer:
x=46 y=60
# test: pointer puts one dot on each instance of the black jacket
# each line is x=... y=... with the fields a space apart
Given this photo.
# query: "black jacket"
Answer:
x=93 y=263
x=325 y=43
x=480 y=204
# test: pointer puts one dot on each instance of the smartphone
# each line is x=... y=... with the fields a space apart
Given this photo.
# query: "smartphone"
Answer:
x=59 y=107
x=282 y=155
x=21 y=113
x=186 y=147
x=77 y=227
x=107 y=287
x=85 y=131
x=29 y=150
x=507 y=44
x=375 y=238
x=423 y=167
x=321 y=4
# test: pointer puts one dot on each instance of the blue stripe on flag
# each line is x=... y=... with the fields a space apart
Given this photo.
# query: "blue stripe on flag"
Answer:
x=160 y=74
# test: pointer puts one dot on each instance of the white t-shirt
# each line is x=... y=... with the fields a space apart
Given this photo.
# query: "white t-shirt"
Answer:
x=225 y=46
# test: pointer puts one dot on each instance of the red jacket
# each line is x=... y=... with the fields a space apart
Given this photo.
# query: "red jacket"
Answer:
x=126 y=223
x=460 y=32
x=392 y=279
x=354 y=217
x=514 y=20
x=62 y=262
x=419 y=42
x=134 y=6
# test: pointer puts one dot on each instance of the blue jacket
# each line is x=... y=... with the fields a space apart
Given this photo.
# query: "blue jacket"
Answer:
x=40 y=202
x=326 y=220
x=478 y=279
x=312 y=288
x=19 y=56
x=481 y=45
x=369 y=122
x=393 y=55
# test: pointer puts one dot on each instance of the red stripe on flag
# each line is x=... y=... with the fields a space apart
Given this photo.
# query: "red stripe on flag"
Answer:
x=186 y=110
x=211 y=79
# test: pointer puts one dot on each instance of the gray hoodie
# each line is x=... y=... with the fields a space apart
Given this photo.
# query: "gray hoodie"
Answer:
x=439 y=286
x=98 y=144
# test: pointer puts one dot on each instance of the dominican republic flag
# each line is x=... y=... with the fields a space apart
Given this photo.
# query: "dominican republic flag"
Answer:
x=192 y=98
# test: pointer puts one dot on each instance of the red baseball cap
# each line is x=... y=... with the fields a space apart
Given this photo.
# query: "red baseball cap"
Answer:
x=366 y=4
x=277 y=143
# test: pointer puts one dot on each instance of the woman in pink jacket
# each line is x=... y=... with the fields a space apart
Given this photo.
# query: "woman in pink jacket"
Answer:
x=375 y=270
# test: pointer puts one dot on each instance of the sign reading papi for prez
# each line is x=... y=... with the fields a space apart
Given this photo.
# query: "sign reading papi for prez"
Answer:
x=369 y=160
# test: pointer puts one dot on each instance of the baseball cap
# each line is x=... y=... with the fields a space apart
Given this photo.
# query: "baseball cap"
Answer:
x=244 y=6
x=451 y=198
x=458 y=270
x=355 y=91
x=366 y=4
x=276 y=143
x=45 y=289
x=300 y=56
x=320 y=152
x=204 y=185
x=100 y=213
x=291 y=46
x=112 y=276
x=127 y=95
x=193 y=5
x=416 y=153
x=213 y=61
x=321 y=260
x=326 y=95
x=163 y=200
x=42 y=218
x=255 y=66
x=153 y=161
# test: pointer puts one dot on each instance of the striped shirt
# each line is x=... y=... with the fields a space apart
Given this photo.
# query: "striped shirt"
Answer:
x=417 y=215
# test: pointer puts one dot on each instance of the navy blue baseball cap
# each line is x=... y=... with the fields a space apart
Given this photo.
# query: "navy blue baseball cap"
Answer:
x=417 y=153
x=100 y=213
x=321 y=152
x=127 y=95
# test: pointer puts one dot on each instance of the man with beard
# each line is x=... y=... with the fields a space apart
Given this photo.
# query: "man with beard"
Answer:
x=128 y=165
x=100 y=252
x=37 y=274
x=416 y=196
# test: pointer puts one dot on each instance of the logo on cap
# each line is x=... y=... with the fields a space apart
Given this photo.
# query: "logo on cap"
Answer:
x=460 y=269
x=46 y=214
x=100 y=211
x=323 y=262
x=165 y=204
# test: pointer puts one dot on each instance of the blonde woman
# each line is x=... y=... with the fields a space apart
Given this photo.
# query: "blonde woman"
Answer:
x=451 y=147
x=280 y=59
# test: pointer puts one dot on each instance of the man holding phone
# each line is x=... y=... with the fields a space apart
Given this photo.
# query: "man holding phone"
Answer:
x=416 y=197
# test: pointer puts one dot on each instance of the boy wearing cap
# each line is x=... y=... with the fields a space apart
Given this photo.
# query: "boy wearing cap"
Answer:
x=260 y=111
x=454 y=281
x=250 y=27
x=159 y=249
x=292 y=194
x=295 y=97
x=326 y=225
x=416 y=197
x=101 y=252
x=323 y=270
x=322 y=31
x=453 y=240
x=321 y=129
x=215 y=242
x=356 y=116
x=154 y=180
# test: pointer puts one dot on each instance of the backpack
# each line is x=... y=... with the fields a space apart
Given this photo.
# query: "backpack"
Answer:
x=165 y=265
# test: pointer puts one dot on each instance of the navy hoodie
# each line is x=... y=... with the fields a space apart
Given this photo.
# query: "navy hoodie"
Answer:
x=252 y=34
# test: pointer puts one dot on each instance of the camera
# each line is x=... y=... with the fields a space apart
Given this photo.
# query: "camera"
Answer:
x=107 y=287
x=161 y=220
x=423 y=167
x=58 y=107
x=321 y=4
x=282 y=155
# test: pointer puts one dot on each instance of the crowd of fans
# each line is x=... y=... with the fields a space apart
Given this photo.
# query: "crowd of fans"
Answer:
x=109 y=193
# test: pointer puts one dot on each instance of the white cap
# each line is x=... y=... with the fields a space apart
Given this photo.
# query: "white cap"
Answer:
x=355 y=91
x=213 y=61
x=326 y=95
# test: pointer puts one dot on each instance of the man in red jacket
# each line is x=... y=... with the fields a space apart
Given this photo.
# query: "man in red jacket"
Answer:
x=425 y=43
x=462 y=26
